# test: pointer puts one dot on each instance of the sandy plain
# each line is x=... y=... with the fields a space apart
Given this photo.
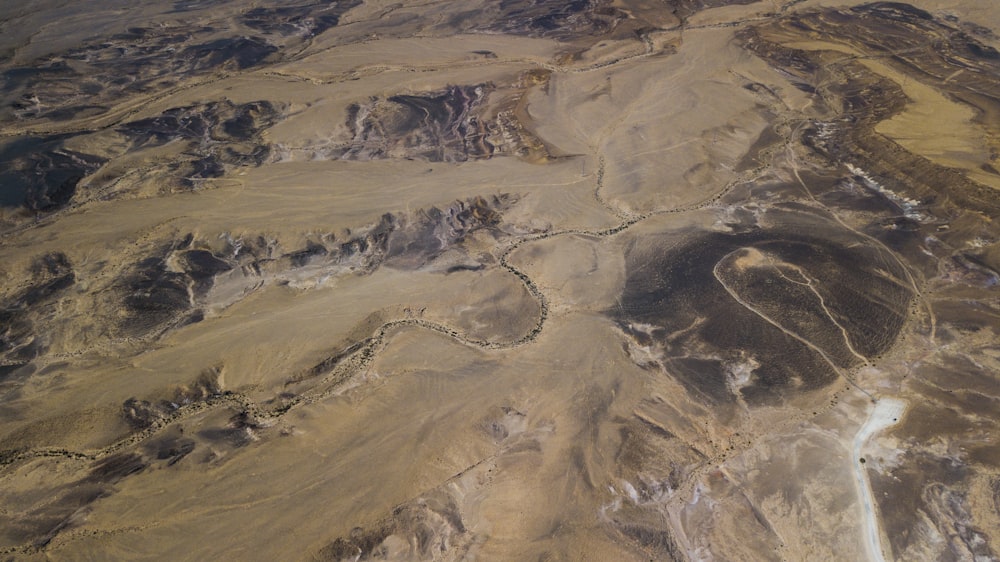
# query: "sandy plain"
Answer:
x=519 y=280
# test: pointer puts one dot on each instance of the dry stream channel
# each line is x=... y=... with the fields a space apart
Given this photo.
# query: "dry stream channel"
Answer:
x=519 y=280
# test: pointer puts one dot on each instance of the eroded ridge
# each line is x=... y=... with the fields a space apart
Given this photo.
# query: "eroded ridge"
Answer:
x=694 y=279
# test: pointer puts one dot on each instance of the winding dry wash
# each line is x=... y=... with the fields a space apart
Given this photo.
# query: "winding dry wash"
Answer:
x=500 y=280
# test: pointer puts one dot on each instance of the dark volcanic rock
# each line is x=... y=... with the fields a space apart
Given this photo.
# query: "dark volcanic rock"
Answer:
x=201 y=266
x=51 y=275
x=39 y=174
x=795 y=287
x=554 y=18
x=307 y=20
x=155 y=294
x=167 y=288
x=218 y=135
x=221 y=121
x=437 y=126
x=424 y=237
x=237 y=53
x=84 y=81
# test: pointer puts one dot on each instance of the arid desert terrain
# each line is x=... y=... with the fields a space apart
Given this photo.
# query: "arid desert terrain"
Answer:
x=500 y=280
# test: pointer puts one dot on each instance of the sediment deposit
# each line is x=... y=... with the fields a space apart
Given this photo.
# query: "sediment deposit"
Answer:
x=518 y=280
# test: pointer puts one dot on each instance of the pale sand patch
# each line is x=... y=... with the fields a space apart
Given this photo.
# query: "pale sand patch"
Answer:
x=736 y=13
x=886 y=413
x=937 y=128
x=978 y=11
x=273 y=336
x=624 y=115
x=417 y=54
x=417 y=419
x=577 y=272
x=931 y=125
x=417 y=424
x=294 y=198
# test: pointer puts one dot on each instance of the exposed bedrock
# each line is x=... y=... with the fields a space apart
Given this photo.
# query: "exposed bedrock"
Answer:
x=305 y=20
x=263 y=261
x=437 y=127
x=763 y=314
x=173 y=285
x=940 y=54
x=41 y=175
x=457 y=124
x=87 y=82
x=215 y=136
x=21 y=312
